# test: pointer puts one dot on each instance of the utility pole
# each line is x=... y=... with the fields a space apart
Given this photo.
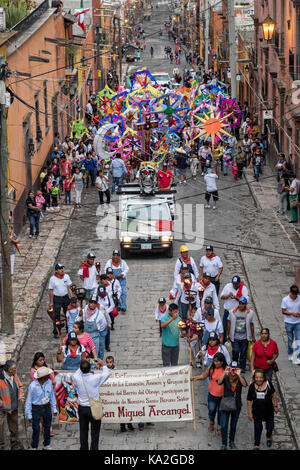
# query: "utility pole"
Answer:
x=206 y=34
x=232 y=47
x=7 y=312
x=114 y=43
x=120 y=51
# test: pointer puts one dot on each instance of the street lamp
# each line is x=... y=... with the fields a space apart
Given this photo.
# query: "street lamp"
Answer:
x=268 y=27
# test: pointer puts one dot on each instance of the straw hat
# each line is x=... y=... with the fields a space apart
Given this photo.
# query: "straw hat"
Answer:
x=180 y=150
x=42 y=372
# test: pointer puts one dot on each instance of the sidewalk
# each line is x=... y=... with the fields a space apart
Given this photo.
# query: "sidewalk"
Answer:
x=32 y=270
x=269 y=278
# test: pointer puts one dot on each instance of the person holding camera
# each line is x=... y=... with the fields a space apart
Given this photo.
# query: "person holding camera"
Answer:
x=231 y=403
x=215 y=391
x=170 y=336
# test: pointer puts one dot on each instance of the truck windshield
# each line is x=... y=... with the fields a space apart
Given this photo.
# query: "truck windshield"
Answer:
x=147 y=212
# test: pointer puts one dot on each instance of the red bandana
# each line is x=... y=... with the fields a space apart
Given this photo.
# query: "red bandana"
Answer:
x=85 y=266
x=59 y=276
x=203 y=285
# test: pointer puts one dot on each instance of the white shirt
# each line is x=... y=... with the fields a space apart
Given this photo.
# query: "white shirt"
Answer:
x=123 y=266
x=91 y=281
x=211 y=182
x=291 y=305
x=114 y=287
x=100 y=316
x=66 y=350
x=222 y=349
x=159 y=314
x=9 y=378
x=210 y=291
x=230 y=304
x=180 y=262
x=215 y=326
x=60 y=286
x=181 y=293
x=211 y=265
x=103 y=183
x=295 y=185
x=89 y=108
x=88 y=385
x=107 y=302
x=198 y=317
x=178 y=282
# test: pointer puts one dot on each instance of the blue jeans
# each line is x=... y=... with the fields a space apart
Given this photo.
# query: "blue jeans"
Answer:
x=293 y=331
x=34 y=221
x=122 y=304
x=67 y=196
x=239 y=352
x=117 y=181
x=99 y=340
x=213 y=404
x=224 y=419
x=257 y=171
x=38 y=413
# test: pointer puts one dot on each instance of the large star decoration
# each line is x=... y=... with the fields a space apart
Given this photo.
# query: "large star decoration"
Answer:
x=212 y=126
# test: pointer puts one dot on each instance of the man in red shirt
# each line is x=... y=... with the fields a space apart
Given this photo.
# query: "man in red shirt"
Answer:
x=165 y=178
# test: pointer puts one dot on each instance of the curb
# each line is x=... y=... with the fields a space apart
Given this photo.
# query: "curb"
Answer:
x=20 y=343
x=279 y=381
x=256 y=201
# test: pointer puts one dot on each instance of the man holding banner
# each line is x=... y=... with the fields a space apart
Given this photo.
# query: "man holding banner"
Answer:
x=87 y=385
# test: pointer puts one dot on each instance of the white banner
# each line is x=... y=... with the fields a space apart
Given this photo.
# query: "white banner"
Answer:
x=134 y=396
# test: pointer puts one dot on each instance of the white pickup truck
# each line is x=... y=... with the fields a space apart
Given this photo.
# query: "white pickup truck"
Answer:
x=146 y=222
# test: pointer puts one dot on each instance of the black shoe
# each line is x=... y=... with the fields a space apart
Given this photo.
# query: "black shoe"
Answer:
x=269 y=442
x=55 y=335
x=107 y=349
x=130 y=427
x=122 y=428
x=112 y=328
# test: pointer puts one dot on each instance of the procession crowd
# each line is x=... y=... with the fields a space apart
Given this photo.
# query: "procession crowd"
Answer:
x=220 y=342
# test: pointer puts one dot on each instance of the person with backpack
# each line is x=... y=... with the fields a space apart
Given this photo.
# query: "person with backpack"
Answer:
x=185 y=258
x=240 y=330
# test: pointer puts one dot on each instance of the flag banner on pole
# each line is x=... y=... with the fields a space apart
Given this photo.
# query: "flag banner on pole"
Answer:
x=80 y=13
x=133 y=396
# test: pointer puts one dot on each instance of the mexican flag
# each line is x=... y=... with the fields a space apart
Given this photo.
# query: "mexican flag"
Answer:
x=80 y=13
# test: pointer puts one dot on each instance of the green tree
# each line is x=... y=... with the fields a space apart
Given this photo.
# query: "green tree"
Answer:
x=16 y=10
